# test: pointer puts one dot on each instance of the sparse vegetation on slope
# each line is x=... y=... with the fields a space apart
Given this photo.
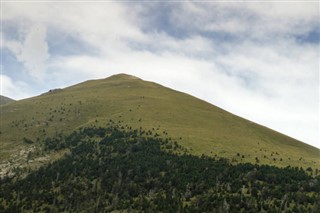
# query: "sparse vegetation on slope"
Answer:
x=196 y=125
x=119 y=168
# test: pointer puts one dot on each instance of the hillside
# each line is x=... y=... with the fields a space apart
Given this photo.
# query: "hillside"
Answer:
x=196 y=125
x=120 y=169
x=5 y=100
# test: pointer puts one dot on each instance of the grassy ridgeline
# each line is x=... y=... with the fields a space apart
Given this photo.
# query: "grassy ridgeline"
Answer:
x=196 y=125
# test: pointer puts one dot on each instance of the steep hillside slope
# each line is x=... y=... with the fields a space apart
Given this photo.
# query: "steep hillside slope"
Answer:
x=5 y=100
x=120 y=169
x=197 y=125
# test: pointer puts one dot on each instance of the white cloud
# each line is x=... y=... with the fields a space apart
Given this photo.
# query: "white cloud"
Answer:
x=103 y=25
x=259 y=20
x=14 y=46
x=32 y=51
x=13 y=89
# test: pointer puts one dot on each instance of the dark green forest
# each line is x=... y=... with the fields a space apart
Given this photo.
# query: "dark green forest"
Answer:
x=133 y=170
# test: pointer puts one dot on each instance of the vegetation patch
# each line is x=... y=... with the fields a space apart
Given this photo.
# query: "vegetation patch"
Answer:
x=117 y=168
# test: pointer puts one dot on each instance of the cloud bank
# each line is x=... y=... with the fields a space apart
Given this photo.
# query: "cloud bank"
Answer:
x=257 y=60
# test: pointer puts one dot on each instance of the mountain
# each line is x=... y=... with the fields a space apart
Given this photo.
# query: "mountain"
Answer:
x=122 y=144
x=5 y=100
x=119 y=169
x=200 y=127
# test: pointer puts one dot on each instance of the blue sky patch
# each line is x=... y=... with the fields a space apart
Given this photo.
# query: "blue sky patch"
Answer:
x=63 y=44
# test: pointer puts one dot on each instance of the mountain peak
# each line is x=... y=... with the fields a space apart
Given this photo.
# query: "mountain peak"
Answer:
x=122 y=76
x=197 y=125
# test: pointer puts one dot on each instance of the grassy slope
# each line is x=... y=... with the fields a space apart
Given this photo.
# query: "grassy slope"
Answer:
x=5 y=100
x=204 y=128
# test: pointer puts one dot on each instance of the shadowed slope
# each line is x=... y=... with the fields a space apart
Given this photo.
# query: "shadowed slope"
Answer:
x=5 y=100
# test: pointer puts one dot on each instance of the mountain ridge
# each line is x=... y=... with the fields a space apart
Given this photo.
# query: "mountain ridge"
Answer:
x=5 y=100
x=197 y=125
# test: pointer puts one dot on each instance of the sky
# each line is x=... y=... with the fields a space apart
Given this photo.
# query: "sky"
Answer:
x=256 y=59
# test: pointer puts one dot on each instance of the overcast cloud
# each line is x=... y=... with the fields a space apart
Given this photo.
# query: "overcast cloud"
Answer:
x=257 y=60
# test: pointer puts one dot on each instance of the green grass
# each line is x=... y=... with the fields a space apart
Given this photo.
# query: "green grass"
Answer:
x=197 y=125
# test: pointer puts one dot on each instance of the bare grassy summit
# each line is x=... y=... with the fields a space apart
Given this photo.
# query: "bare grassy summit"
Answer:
x=200 y=127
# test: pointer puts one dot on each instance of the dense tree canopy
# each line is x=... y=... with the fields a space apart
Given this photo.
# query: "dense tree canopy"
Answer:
x=118 y=168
